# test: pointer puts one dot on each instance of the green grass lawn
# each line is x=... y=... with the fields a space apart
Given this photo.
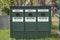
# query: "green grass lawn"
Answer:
x=4 y=34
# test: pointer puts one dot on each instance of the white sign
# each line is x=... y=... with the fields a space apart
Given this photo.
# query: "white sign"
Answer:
x=17 y=19
x=30 y=19
x=30 y=10
x=43 y=10
x=17 y=10
x=43 y=19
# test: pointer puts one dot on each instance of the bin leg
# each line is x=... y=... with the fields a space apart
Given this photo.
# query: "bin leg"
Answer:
x=13 y=39
x=19 y=39
x=27 y=39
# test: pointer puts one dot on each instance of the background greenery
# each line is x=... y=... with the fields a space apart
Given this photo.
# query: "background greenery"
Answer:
x=5 y=4
x=5 y=33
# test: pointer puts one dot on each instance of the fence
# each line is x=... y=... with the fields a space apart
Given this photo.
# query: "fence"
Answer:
x=4 y=21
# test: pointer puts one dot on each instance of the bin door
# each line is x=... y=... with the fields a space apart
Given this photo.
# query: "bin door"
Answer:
x=43 y=22
x=30 y=20
x=18 y=20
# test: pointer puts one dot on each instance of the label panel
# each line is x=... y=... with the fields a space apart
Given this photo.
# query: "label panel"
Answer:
x=30 y=10
x=30 y=19
x=43 y=19
x=43 y=10
x=17 y=10
x=17 y=19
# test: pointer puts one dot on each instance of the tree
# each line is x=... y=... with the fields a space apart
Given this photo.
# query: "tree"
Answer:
x=41 y=2
x=5 y=10
x=5 y=3
x=31 y=3
x=5 y=6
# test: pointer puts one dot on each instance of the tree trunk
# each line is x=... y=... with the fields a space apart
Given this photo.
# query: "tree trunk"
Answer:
x=31 y=3
x=21 y=2
x=41 y=2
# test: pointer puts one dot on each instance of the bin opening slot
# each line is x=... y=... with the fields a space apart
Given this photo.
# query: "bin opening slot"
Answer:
x=17 y=14
x=30 y=15
x=43 y=14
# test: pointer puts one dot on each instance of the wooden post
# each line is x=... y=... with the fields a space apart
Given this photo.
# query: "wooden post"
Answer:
x=21 y=2
x=41 y=2
x=11 y=3
x=31 y=3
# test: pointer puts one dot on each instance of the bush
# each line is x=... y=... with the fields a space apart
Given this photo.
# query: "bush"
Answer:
x=54 y=26
x=5 y=10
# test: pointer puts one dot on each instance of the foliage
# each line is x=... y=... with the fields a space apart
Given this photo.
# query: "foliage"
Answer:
x=4 y=3
x=5 y=10
x=55 y=25
x=5 y=6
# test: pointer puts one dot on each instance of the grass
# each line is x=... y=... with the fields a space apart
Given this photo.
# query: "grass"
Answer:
x=4 y=34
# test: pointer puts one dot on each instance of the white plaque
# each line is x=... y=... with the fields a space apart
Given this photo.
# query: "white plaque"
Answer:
x=30 y=19
x=17 y=19
x=43 y=19
x=30 y=10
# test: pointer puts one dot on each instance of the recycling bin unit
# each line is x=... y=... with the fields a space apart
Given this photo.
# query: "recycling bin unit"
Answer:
x=30 y=22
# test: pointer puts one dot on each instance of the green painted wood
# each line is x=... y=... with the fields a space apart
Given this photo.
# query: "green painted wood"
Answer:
x=30 y=26
x=26 y=30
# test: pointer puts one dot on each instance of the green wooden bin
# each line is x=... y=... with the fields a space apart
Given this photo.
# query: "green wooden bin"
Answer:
x=30 y=22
